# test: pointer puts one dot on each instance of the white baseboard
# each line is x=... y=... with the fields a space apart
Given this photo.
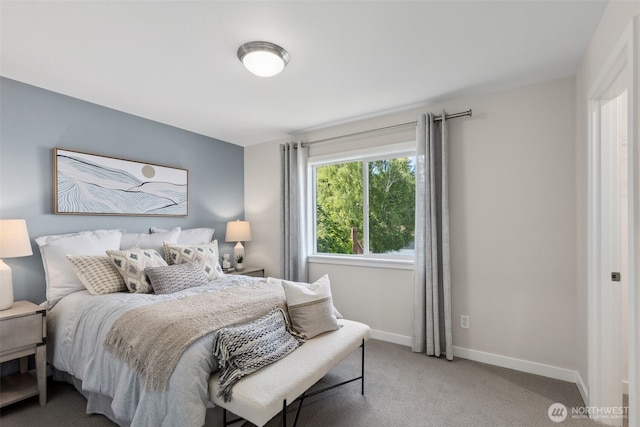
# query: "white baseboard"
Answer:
x=582 y=388
x=516 y=364
x=389 y=337
x=536 y=368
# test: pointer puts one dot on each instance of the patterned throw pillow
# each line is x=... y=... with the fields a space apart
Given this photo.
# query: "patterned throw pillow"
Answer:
x=205 y=255
x=131 y=264
x=97 y=274
x=174 y=278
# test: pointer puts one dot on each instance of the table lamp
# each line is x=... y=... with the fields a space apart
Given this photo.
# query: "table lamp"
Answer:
x=14 y=242
x=238 y=231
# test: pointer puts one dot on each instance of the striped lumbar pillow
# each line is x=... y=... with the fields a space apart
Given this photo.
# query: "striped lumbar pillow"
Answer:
x=97 y=274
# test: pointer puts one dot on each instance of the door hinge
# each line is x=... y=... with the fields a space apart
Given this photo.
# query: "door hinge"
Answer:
x=615 y=277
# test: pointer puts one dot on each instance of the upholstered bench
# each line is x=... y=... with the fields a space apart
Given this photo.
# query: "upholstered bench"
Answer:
x=260 y=396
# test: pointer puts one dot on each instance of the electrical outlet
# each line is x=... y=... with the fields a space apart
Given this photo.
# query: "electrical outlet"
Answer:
x=464 y=321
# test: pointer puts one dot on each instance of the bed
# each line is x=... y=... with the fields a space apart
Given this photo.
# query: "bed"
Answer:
x=77 y=327
x=82 y=318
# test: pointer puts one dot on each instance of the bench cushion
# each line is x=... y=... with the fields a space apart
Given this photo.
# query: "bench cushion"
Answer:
x=258 y=397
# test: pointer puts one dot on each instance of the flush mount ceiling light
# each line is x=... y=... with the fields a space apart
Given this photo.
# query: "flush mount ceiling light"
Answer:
x=263 y=59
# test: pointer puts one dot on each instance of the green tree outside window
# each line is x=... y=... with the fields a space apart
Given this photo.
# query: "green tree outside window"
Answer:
x=340 y=205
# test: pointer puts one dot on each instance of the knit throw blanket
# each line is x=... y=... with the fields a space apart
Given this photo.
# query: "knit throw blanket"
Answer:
x=151 y=339
x=245 y=348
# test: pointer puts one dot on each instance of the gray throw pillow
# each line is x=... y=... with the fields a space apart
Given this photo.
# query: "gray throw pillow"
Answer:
x=173 y=278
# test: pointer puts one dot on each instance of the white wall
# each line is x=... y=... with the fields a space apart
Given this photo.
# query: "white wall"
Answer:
x=262 y=206
x=513 y=207
x=615 y=20
x=512 y=227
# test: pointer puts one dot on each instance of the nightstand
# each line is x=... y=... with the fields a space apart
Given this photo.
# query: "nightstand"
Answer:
x=249 y=271
x=23 y=332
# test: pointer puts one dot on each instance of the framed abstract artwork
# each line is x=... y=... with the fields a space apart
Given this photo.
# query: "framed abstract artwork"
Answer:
x=90 y=184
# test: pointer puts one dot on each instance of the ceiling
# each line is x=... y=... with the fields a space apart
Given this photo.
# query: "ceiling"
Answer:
x=175 y=61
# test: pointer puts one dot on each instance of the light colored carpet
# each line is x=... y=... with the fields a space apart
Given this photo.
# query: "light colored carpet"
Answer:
x=402 y=389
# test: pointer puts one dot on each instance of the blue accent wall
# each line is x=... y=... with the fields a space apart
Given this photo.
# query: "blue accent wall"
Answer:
x=33 y=121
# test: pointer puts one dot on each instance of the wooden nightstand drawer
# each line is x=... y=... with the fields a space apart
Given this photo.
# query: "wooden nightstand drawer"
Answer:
x=23 y=332
x=20 y=332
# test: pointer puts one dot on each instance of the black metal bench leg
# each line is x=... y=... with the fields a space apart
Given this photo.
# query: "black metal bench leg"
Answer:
x=362 y=368
x=284 y=413
x=304 y=395
x=295 y=422
x=226 y=423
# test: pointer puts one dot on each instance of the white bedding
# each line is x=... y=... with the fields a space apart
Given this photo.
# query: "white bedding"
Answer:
x=77 y=326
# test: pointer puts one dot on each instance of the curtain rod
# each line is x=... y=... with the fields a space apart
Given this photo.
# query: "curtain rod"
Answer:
x=436 y=118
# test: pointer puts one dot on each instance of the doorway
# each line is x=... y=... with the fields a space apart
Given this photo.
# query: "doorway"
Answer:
x=613 y=218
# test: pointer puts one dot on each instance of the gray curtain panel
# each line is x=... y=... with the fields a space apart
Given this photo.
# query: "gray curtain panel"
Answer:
x=432 y=328
x=293 y=159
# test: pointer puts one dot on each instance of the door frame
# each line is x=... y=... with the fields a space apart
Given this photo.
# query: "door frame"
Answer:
x=623 y=57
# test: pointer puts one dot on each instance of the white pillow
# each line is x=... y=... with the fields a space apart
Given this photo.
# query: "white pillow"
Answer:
x=310 y=306
x=149 y=241
x=191 y=236
x=59 y=274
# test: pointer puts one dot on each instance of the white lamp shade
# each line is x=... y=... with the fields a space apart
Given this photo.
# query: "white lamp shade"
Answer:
x=14 y=238
x=238 y=231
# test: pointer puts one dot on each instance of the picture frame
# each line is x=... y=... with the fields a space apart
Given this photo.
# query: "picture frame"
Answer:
x=92 y=184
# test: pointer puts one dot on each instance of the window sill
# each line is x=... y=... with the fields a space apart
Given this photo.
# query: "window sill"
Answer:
x=399 y=264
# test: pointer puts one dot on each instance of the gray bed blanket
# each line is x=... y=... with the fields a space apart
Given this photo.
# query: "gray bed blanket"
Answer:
x=151 y=339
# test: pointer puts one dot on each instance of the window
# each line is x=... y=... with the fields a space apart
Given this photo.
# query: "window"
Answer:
x=365 y=206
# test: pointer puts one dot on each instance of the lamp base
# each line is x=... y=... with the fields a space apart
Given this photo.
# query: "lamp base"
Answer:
x=6 y=286
x=238 y=250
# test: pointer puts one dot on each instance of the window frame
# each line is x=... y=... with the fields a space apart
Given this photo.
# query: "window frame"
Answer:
x=385 y=152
